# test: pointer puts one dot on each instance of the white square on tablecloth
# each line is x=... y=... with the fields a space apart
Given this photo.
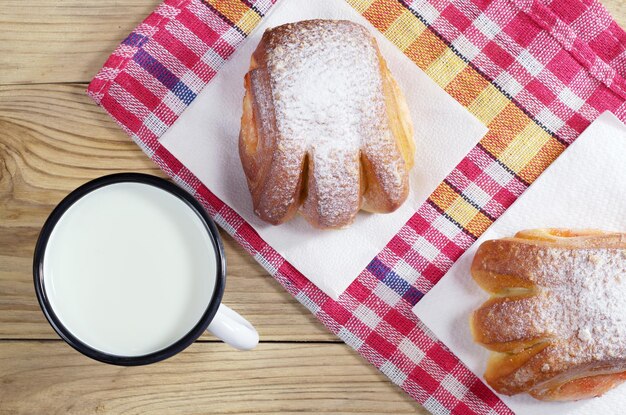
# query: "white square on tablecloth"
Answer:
x=205 y=136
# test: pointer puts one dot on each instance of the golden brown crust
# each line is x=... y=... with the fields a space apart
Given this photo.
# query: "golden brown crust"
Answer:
x=553 y=321
x=273 y=201
x=328 y=185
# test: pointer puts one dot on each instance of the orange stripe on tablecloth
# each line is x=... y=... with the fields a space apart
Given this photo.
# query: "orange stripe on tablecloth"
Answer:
x=425 y=49
x=444 y=196
x=548 y=153
x=503 y=129
x=382 y=13
x=478 y=225
x=233 y=10
x=466 y=86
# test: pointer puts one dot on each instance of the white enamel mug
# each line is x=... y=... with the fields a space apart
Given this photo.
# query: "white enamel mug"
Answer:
x=129 y=270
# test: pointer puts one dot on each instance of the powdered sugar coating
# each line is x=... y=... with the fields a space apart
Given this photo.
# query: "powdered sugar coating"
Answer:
x=581 y=299
x=585 y=302
x=327 y=102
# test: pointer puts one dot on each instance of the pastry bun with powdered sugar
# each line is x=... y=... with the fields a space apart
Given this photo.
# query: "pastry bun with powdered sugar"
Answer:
x=325 y=130
x=556 y=320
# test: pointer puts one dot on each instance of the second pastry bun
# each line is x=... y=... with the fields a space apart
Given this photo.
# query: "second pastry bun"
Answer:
x=556 y=318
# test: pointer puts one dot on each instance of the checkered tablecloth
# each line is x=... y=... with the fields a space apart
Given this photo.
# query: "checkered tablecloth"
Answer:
x=536 y=72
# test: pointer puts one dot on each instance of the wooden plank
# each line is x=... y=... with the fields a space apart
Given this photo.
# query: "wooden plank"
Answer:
x=69 y=42
x=205 y=378
x=617 y=8
x=52 y=139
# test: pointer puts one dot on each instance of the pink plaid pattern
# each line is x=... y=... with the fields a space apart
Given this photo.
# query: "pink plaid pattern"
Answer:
x=561 y=62
x=538 y=53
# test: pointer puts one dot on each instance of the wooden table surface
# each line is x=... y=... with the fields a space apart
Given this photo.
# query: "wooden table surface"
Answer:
x=52 y=139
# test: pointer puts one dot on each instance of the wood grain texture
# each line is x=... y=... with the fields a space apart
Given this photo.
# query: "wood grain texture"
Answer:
x=52 y=139
x=63 y=41
x=617 y=8
x=208 y=378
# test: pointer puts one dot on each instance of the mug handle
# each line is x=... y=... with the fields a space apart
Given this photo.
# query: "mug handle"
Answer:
x=233 y=329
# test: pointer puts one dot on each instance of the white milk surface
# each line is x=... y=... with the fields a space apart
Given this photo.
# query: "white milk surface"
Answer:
x=129 y=269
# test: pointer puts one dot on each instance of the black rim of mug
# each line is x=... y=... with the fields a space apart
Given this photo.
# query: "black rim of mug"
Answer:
x=65 y=333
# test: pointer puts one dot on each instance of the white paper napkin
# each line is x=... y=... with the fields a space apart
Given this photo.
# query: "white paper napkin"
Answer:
x=584 y=188
x=205 y=138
